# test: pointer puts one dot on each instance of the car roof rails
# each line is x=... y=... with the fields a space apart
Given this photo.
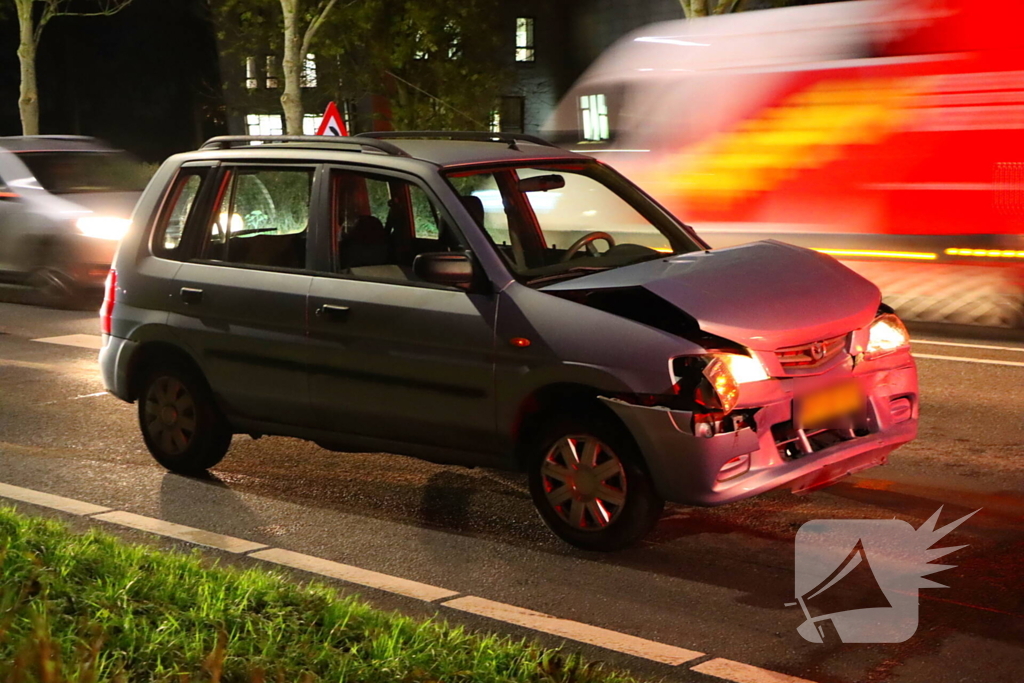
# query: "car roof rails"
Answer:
x=509 y=139
x=346 y=144
x=47 y=137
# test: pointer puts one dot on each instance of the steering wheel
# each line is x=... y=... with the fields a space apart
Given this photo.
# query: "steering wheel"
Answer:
x=588 y=242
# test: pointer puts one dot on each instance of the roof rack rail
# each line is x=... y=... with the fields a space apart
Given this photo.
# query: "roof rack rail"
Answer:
x=509 y=139
x=48 y=137
x=310 y=141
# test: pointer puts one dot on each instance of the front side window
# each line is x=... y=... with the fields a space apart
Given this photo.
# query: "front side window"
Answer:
x=557 y=222
x=381 y=223
x=261 y=218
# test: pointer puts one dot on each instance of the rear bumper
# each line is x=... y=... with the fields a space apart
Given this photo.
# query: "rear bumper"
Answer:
x=115 y=355
x=685 y=468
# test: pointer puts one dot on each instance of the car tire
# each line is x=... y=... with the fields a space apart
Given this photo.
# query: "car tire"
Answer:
x=609 y=501
x=181 y=424
x=53 y=288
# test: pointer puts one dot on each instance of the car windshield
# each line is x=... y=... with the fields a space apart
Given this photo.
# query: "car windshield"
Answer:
x=75 y=172
x=557 y=222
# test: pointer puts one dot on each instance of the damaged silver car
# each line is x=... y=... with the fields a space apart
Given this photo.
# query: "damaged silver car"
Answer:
x=491 y=300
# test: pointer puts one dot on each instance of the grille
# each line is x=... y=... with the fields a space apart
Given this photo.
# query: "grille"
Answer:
x=812 y=355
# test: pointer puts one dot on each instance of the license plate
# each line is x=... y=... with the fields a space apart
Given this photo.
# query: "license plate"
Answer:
x=828 y=406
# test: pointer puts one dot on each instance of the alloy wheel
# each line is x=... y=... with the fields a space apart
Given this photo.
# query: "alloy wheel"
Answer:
x=584 y=482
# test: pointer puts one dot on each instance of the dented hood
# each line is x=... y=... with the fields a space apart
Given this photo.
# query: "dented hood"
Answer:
x=764 y=295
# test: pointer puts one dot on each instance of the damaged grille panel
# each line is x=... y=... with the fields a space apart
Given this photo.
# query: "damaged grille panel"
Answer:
x=812 y=356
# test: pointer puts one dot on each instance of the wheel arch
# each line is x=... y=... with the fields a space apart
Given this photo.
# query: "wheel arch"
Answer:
x=149 y=355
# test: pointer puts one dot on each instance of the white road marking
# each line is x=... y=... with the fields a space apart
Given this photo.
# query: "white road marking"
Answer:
x=83 y=341
x=574 y=630
x=537 y=621
x=963 y=359
x=48 y=500
x=180 y=532
x=986 y=347
x=363 y=577
x=743 y=673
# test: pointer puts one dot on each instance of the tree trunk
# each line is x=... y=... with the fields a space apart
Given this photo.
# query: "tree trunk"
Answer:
x=291 y=68
x=28 y=101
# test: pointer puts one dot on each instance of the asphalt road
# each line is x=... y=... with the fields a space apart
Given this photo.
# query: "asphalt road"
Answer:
x=712 y=580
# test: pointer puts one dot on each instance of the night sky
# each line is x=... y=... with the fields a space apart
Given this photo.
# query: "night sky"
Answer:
x=145 y=79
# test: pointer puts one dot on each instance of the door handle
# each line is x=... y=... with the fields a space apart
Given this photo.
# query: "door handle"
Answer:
x=191 y=295
x=332 y=312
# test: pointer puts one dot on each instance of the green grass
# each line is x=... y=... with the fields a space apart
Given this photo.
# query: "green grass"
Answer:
x=90 y=607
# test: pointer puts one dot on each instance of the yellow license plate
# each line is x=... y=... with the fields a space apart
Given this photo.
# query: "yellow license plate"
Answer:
x=829 y=405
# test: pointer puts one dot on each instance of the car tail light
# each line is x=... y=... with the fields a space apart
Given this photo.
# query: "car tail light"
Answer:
x=107 y=309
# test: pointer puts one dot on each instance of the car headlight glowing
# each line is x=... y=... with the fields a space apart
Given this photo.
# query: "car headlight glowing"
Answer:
x=886 y=334
x=744 y=369
x=103 y=227
x=720 y=391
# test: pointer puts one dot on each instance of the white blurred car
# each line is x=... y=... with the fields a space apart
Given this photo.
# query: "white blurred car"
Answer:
x=65 y=202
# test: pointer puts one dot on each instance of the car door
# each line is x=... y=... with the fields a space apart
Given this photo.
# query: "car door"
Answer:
x=240 y=301
x=392 y=357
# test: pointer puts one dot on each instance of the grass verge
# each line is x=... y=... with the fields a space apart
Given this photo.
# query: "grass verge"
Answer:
x=90 y=607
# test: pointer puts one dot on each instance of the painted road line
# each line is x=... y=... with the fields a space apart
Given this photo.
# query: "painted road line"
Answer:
x=964 y=359
x=83 y=341
x=743 y=673
x=48 y=500
x=362 y=577
x=574 y=630
x=985 y=347
x=180 y=532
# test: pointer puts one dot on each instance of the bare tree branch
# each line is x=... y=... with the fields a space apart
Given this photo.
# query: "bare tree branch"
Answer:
x=315 y=24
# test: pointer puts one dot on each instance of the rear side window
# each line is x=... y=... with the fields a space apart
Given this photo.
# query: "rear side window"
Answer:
x=261 y=218
x=182 y=199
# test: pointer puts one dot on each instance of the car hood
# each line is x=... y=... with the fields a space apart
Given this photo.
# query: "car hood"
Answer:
x=765 y=295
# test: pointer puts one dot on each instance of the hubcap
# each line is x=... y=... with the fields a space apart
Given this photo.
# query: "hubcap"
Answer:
x=584 y=481
x=170 y=415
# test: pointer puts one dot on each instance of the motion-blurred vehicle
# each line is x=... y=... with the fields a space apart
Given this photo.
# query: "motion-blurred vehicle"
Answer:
x=493 y=300
x=65 y=201
x=888 y=133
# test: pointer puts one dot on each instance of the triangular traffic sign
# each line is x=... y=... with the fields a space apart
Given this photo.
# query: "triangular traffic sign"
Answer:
x=332 y=123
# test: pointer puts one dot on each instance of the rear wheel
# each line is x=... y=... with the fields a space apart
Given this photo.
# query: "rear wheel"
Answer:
x=181 y=425
x=590 y=486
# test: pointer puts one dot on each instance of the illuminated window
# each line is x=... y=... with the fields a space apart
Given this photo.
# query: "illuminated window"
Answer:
x=311 y=123
x=308 y=79
x=496 y=121
x=272 y=82
x=524 y=39
x=420 y=52
x=252 y=81
x=264 y=124
x=594 y=116
x=454 y=40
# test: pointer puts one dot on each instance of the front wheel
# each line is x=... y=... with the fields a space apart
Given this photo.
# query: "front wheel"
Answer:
x=181 y=425
x=590 y=486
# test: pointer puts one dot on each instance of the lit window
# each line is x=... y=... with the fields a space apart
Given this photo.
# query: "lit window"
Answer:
x=264 y=124
x=271 y=72
x=594 y=114
x=454 y=40
x=420 y=53
x=308 y=79
x=524 y=39
x=496 y=121
x=251 y=79
x=311 y=123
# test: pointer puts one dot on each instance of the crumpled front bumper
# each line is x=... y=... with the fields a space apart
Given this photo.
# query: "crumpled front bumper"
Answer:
x=685 y=468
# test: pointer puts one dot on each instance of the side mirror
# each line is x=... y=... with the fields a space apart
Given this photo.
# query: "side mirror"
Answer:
x=542 y=183
x=454 y=269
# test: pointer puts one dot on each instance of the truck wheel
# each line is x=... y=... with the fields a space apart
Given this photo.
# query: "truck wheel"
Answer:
x=181 y=425
x=589 y=483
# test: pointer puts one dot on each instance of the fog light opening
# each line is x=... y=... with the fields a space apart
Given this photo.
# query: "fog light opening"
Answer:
x=901 y=409
x=735 y=467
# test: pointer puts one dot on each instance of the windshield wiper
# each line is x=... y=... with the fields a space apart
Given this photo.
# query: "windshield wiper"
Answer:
x=572 y=272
